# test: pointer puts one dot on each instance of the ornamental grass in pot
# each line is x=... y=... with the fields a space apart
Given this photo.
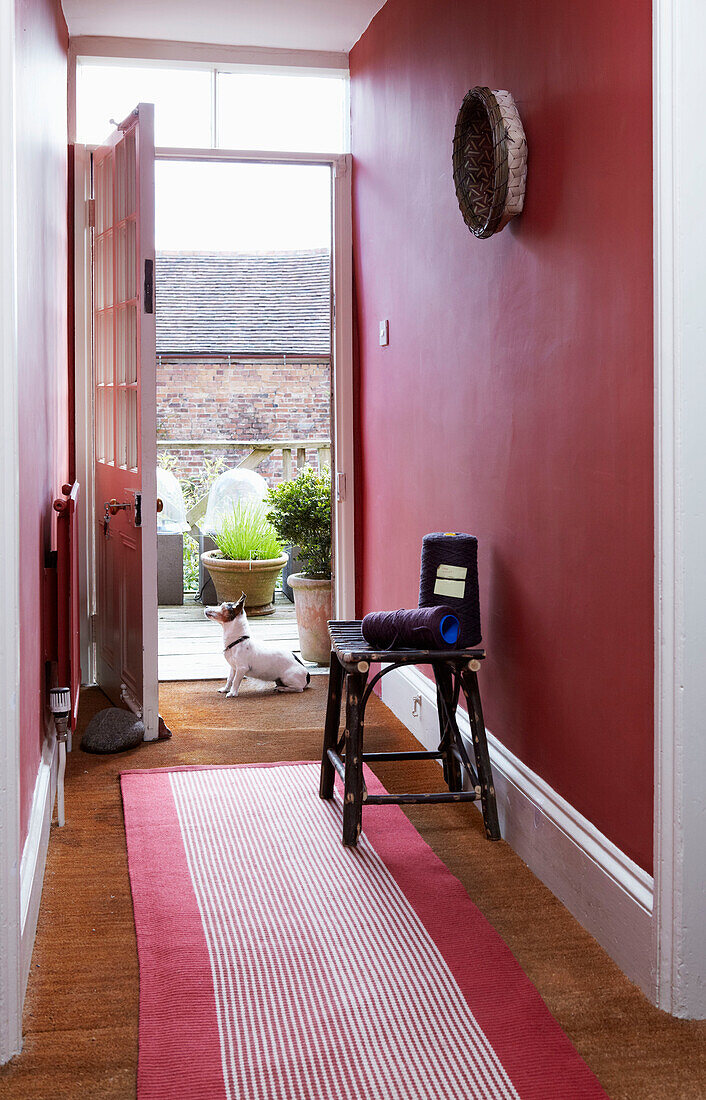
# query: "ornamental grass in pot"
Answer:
x=300 y=512
x=248 y=558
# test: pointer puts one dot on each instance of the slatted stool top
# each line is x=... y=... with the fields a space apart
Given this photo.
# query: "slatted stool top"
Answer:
x=351 y=647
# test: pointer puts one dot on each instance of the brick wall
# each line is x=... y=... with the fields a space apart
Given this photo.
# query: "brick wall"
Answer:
x=240 y=399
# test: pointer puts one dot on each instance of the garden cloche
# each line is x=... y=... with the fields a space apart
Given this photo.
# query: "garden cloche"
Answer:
x=229 y=489
x=172 y=519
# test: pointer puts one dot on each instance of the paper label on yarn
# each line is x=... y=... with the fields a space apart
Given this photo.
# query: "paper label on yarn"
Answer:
x=450 y=588
x=451 y=572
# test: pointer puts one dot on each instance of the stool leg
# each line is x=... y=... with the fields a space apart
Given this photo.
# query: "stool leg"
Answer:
x=469 y=683
x=333 y=721
x=353 y=784
x=446 y=709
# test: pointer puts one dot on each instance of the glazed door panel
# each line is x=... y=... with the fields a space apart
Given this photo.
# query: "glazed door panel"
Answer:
x=124 y=384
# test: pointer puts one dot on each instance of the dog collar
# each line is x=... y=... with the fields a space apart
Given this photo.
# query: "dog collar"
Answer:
x=242 y=638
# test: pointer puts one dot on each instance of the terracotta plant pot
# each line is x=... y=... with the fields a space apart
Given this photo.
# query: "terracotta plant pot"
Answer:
x=312 y=603
x=257 y=579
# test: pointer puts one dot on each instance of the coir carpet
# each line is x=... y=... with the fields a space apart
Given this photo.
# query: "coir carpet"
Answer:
x=276 y=964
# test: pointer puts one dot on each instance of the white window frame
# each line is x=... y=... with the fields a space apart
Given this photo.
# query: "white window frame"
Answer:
x=214 y=59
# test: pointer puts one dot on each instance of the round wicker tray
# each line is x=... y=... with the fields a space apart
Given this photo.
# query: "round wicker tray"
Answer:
x=489 y=161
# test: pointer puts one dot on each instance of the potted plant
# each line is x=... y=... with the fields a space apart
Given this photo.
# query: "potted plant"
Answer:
x=300 y=512
x=248 y=558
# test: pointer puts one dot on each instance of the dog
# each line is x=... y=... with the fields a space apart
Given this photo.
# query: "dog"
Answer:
x=249 y=658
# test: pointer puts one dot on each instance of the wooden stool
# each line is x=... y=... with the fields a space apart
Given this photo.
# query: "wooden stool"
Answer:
x=454 y=671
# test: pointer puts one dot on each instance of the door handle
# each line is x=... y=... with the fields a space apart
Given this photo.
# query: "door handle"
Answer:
x=160 y=504
x=114 y=507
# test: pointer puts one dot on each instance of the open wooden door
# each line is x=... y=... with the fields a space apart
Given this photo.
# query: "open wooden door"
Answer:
x=124 y=383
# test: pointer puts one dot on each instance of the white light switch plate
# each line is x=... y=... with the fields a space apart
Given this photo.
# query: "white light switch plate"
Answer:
x=384 y=333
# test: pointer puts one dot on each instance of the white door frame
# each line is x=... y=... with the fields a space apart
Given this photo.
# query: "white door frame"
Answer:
x=342 y=374
x=11 y=985
x=84 y=405
x=342 y=364
x=680 y=508
x=342 y=345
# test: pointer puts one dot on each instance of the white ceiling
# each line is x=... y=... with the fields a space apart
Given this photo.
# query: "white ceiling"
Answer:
x=286 y=24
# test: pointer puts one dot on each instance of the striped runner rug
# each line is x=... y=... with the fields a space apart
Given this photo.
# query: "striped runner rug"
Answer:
x=275 y=964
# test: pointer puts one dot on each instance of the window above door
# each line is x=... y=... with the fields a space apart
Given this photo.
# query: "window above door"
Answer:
x=206 y=106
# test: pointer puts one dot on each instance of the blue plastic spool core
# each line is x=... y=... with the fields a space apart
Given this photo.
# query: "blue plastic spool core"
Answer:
x=450 y=629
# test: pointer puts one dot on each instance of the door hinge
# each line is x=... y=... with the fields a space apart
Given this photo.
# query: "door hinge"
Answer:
x=92 y=628
x=340 y=487
x=91 y=213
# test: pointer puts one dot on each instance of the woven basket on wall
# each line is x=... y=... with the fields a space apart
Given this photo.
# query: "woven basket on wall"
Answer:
x=489 y=160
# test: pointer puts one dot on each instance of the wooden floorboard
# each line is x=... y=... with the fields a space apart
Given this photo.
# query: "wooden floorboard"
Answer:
x=190 y=645
x=213 y=644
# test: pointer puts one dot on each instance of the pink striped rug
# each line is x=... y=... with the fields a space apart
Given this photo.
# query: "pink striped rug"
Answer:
x=275 y=964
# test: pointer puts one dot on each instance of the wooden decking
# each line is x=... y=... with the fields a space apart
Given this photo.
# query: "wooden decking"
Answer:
x=190 y=646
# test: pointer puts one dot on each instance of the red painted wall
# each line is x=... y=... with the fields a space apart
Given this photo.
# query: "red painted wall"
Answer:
x=515 y=398
x=41 y=51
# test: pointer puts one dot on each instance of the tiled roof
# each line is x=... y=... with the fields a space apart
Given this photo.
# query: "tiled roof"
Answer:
x=238 y=302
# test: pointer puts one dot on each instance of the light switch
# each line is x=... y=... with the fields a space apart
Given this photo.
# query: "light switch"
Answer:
x=384 y=333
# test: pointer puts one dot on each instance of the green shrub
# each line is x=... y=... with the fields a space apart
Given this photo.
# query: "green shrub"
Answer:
x=300 y=512
x=195 y=486
x=191 y=564
x=246 y=535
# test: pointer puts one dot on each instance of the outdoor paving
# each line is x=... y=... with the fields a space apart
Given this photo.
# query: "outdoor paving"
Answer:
x=190 y=645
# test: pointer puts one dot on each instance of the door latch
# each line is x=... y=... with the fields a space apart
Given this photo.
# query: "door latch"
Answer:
x=136 y=494
x=149 y=286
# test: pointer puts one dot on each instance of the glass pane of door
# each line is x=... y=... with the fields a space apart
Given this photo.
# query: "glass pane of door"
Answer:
x=115 y=297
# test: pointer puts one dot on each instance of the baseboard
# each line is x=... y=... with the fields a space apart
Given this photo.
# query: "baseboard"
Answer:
x=607 y=893
x=34 y=854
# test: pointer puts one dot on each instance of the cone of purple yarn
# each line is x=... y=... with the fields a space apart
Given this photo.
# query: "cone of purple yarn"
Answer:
x=449 y=578
x=417 y=628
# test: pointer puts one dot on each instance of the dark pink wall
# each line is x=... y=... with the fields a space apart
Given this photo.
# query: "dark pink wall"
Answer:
x=515 y=398
x=41 y=49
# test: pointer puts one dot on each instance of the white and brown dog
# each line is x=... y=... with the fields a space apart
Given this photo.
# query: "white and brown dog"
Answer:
x=249 y=658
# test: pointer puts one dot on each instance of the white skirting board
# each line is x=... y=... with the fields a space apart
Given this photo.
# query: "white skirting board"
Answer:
x=607 y=893
x=34 y=854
